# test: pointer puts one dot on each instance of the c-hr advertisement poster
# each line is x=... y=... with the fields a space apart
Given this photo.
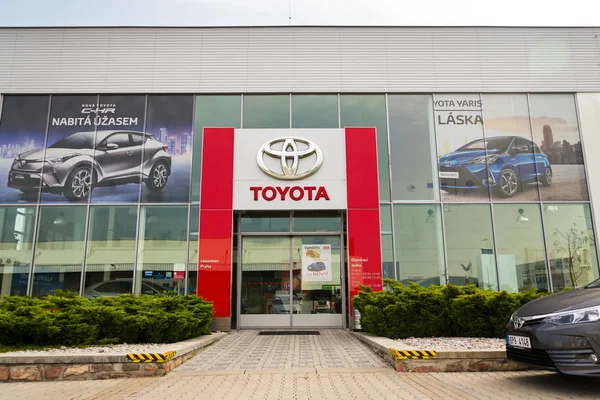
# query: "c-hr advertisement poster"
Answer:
x=99 y=149
x=489 y=146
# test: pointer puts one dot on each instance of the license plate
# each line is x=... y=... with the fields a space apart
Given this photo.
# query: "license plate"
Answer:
x=18 y=176
x=449 y=175
x=519 y=341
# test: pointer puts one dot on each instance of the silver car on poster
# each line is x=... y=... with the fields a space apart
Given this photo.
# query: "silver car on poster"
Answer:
x=76 y=164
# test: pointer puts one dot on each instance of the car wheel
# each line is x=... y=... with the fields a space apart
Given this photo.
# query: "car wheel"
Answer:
x=509 y=183
x=159 y=174
x=79 y=184
x=547 y=178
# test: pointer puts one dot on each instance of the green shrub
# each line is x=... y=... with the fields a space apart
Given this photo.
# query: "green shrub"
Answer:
x=67 y=319
x=413 y=311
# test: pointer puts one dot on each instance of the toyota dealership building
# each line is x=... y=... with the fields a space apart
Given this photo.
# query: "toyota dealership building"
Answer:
x=273 y=170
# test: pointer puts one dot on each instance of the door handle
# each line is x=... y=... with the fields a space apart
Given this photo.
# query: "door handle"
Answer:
x=129 y=153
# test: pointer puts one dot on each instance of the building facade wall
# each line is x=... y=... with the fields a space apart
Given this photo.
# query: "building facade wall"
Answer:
x=430 y=92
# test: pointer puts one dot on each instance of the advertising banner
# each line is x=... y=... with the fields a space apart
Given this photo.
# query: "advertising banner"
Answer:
x=510 y=147
x=107 y=148
x=316 y=263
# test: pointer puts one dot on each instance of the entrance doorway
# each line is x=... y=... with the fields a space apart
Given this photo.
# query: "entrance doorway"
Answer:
x=290 y=278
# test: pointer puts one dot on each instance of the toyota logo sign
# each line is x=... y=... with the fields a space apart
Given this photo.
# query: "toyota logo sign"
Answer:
x=289 y=156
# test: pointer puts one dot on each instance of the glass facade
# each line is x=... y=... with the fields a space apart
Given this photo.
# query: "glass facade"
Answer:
x=489 y=189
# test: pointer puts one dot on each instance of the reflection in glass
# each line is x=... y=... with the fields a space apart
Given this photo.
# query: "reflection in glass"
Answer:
x=162 y=249
x=520 y=247
x=265 y=222
x=470 y=245
x=556 y=131
x=22 y=128
x=192 y=271
x=385 y=214
x=58 y=254
x=16 y=238
x=412 y=141
x=463 y=170
x=211 y=111
x=314 y=111
x=266 y=276
x=418 y=244
x=317 y=221
x=571 y=244
x=387 y=249
x=369 y=111
x=507 y=117
x=110 y=250
x=266 y=111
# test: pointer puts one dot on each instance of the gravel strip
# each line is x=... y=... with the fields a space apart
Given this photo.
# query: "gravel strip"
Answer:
x=453 y=343
x=112 y=349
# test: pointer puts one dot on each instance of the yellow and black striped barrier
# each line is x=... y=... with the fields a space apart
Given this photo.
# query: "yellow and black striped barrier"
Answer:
x=412 y=354
x=151 y=357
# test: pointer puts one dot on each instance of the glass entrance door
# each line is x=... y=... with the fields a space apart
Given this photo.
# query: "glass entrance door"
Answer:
x=291 y=281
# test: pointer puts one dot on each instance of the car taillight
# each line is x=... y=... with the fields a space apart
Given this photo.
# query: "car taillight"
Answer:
x=166 y=147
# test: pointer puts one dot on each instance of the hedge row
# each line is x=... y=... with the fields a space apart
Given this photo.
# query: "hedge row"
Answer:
x=67 y=319
x=438 y=311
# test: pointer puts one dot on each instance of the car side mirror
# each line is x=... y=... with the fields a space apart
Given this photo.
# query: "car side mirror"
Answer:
x=513 y=152
x=112 y=146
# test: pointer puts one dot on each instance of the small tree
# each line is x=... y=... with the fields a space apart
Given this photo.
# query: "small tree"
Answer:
x=571 y=245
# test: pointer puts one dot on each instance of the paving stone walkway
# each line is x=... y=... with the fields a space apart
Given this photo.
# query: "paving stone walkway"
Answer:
x=246 y=350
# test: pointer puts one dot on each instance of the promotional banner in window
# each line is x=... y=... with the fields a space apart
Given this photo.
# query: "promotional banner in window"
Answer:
x=95 y=148
x=504 y=147
x=22 y=130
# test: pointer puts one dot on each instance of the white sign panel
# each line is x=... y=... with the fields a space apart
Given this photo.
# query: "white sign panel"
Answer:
x=289 y=169
x=316 y=263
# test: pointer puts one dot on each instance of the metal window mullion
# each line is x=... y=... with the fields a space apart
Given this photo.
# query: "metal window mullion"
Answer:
x=137 y=222
x=241 y=112
x=87 y=217
x=585 y=168
x=187 y=252
x=494 y=247
x=239 y=273
x=391 y=181
x=37 y=211
x=539 y=187
x=187 y=246
x=290 y=114
x=548 y=270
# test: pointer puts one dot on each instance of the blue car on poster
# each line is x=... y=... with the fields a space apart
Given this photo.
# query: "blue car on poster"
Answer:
x=502 y=163
x=317 y=266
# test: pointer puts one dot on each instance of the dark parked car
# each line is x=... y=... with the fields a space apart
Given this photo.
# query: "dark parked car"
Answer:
x=76 y=164
x=502 y=163
x=560 y=332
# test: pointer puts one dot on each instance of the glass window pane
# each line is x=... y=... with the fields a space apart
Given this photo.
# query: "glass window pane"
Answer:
x=385 y=212
x=22 y=129
x=507 y=117
x=16 y=238
x=315 y=111
x=556 y=132
x=170 y=121
x=369 y=111
x=214 y=111
x=162 y=248
x=266 y=111
x=418 y=244
x=192 y=272
x=265 y=222
x=461 y=149
x=110 y=251
x=520 y=247
x=59 y=250
x=571 y=244
x=387 y=249
x=317 y=221
x=470 y=245
x=413 y=153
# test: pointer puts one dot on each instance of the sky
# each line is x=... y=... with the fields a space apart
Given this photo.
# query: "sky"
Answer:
x=303 y=12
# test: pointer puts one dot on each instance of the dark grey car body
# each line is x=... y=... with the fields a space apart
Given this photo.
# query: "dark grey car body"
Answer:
x=564 y=348
x=73 y=166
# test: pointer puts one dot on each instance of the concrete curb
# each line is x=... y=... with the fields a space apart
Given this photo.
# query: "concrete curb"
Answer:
x=98 y=366
x=429 y=360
